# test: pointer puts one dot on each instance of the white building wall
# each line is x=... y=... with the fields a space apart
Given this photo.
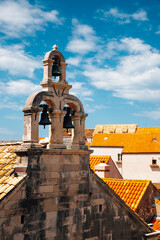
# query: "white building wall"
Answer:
x=134 y=166
x=138 y=166
x=109 y=151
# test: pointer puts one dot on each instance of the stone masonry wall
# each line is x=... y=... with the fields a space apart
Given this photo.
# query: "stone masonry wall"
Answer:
x=62 y=200
x=147 y=208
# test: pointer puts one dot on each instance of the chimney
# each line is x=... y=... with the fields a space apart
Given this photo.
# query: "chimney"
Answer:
x=102 y=169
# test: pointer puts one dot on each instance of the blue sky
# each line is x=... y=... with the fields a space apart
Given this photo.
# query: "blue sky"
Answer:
x=112 y=48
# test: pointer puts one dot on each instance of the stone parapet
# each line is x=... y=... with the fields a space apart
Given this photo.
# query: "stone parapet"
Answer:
x=62 y=199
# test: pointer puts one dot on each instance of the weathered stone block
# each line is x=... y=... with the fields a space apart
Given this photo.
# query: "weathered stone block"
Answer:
x=19 y=236
x=44 y=189
x=50 y=205
x=51 y=215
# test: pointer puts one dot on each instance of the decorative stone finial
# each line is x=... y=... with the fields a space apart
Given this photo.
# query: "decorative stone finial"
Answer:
x=55 y=47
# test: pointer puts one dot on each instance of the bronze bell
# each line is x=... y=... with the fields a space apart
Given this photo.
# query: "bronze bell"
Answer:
x=55 y=68
x=44 y=116
x=67 y=121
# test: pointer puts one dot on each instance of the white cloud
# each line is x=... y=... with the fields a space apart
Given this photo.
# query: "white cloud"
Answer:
x=136 y=75
x=71 y=75
x=20 y=87
x=121 y=17
x=83 y=40
x=8 y=103
x=90 y=108
x=78 y=89
x=19 y=17
x=14 y=59
x=130 y=103
x=80 y=46
x=158 y=31
x=154 y=114
x=75 y=61
x=88 y=99
x=140 y=15
x=133 y=45
x=125 y=46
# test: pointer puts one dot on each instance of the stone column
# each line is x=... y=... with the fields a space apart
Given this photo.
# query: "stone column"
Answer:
x=47 y=70
x=82 y=131
x=31 y=129
x=76 y=137
x=47 y=81
x=56 y=130
x=63 y=72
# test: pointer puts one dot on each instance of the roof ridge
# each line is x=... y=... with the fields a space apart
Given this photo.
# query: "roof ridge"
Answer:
x=133 y=180
x=10 y=143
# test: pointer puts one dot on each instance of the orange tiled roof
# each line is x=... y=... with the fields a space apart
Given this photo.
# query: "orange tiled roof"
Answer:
x=149 y=130
x=96 y=159
x=131 y=142
x=157 y=200
x=156 y=224
x=7 y=164
x=131 y=191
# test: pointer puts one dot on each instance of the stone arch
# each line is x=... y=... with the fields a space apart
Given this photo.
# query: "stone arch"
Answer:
x=55 y=53
x=73 y=102
x=36 y=98
x=48 y=61
x=78 y=118
x=31 y=115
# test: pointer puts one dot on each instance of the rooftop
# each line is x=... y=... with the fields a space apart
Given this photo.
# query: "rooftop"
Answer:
x=8 y=159
x=131 y=191
x=156 y=224
x=95 y=160
x=142 y=140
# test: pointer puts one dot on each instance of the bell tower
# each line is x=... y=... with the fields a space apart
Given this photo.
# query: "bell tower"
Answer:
x=57 y=183
x=56 y=95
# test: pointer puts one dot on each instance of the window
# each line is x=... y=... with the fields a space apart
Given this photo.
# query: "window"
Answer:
x=22 y=219
x=119 y=157
x=154 y=161
x=100 y=208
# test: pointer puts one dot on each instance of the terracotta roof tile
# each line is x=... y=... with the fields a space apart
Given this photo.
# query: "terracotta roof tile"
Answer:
x=96 y=159
x=131 y=142
x=131 y=191
x=7 y=164
x=157 y=201
x=156 y=224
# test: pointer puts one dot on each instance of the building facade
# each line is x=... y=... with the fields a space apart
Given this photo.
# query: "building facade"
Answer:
x=135 y=152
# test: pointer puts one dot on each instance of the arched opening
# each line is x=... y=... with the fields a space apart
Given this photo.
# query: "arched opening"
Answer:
x=45 y=110
x=68 y=125
x=56 y=71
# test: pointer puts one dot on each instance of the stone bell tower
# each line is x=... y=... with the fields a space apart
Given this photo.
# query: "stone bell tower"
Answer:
x=56 y=95
x=57 y=185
